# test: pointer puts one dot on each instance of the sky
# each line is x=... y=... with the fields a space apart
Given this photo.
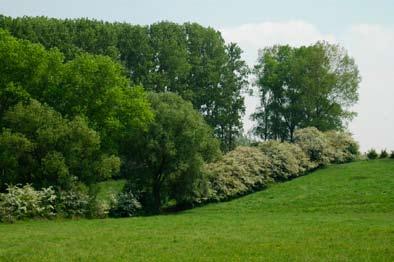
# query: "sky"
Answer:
x=364 y=27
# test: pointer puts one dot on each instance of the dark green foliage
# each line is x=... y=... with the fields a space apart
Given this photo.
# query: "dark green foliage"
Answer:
x=15 y=156
x=93 y=111
x=372 y=154
x=90 y=85
x=304 y=86
x=169 y=155
x=45 y=149
x=383 y=154
x=392 y=154
x=190 y=60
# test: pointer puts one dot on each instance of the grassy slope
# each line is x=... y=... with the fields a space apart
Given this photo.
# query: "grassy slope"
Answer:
x=342 y=213
x=108 y=188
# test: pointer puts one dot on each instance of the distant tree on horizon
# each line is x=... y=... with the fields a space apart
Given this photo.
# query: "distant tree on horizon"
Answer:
x=304 y=86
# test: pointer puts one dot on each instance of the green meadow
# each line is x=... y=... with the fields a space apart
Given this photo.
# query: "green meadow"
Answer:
x=340 y=213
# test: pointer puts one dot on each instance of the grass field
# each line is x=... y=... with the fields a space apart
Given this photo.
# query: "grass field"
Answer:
x=341 y=213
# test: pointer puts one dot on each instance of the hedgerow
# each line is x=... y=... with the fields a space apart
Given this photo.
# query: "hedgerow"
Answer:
x=247 y=169
x=238 y=172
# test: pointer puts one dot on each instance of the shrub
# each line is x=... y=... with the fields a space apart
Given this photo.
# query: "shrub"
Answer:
x=98 y=209
x=392 y=154
x=26 y=202
x=46 y=149
x=286 y=160
x=238 y=172
x=125 y=204
x=383 y=154
x=345 y=148
x=14 y=155
x=371 y=154
x=74 y=202
x=315 y=144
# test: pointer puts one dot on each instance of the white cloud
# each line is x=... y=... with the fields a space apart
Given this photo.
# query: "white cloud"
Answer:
x=372 y=48
x=252 y=37
x=370 y=45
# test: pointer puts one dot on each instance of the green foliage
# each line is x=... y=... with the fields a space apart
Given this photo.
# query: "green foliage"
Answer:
x=392 y=154
x=15 y=154
x=372 y=154
x=315 y=144
x=245 y=140
x=108 y=166
x=26 y=69
x=51 y=150
x=125 y=204
x=74 y=202
x=10 y=95
x=240 y=171
x=189 y=59
x=26 y=202
x=90 y=85
x=383 y=154
x=170 y=153
x=304 y=86
x=345 y=148
x=107 y=189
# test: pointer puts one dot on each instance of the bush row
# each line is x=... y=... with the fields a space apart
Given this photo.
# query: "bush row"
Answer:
x=372 y=154
x=24 y=202
x=241 y=171
x=247 y=169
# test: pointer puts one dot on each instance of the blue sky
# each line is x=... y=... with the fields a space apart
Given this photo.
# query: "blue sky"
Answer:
x=329 y=15
x=364 y=27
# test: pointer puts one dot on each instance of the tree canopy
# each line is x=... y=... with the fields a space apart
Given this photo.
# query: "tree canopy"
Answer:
x=304 y=86
x=189 y=59
x=170 y=154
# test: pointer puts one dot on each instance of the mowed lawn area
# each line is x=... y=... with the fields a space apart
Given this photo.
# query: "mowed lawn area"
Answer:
x=340 y=213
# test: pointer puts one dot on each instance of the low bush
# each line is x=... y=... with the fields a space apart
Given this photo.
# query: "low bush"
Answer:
x=285 y=160
x=75 y=202
x=372 y=154
x=392 y=154
x=344 y=147
x=125 y=204
x=26 y=202
x=383 y=154
x=316 y=145
x=240 y=171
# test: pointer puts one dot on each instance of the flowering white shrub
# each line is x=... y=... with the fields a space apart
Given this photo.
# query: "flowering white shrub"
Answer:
x=125 y=204
x=315 y=144
x=240 y=171
x=286 y=160
x=74 y=203
x=345 y=148
x=26 y=202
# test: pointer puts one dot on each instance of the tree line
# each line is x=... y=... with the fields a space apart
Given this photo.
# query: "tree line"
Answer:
x=82 y=101
x=188 y=59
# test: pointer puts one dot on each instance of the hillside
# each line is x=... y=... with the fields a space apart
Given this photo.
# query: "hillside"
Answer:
x=341 y=213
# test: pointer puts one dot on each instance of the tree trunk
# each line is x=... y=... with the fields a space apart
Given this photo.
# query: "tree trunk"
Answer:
x=156 y=196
